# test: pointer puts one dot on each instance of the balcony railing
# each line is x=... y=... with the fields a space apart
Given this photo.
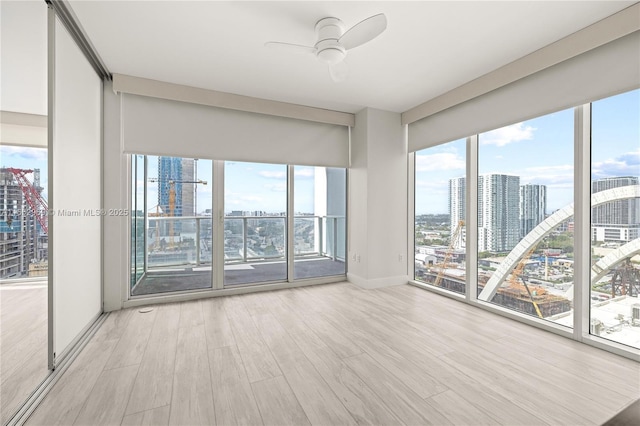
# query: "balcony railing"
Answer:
x=179 y=241
x=188 y=241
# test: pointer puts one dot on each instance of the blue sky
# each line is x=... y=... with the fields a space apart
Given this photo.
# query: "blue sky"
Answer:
x=248 y=187
x=540 y=151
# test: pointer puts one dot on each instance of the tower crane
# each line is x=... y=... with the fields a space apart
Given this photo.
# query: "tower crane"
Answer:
x=33 y=197
x=517 y=274
x=449 y=253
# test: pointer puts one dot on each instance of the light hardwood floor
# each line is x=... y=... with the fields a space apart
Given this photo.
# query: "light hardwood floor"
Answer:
x=335 y=355
x=23 y=343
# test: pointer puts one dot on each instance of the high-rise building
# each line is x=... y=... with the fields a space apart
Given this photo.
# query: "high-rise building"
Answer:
x=498 y=212
x=533 y=207
x=23 y=243
x=457 y=208
x=617 y=220
x=188 y=187
x=170 y=185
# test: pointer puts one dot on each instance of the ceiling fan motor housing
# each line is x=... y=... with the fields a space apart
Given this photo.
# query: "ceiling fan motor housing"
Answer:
x=328 y=32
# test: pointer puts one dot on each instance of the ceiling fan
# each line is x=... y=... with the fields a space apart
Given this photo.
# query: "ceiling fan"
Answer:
x=333 y=42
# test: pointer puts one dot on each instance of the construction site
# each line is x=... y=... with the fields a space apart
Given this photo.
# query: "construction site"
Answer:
x=544 y=288
x=23 y=224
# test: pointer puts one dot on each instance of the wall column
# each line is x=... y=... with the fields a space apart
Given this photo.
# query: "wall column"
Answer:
x=378 y=201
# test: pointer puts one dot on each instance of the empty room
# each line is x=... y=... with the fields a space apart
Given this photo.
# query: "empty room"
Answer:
x=319 y=212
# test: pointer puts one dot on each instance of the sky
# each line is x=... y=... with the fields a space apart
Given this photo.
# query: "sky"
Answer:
x=248 y=187
x=540 y=151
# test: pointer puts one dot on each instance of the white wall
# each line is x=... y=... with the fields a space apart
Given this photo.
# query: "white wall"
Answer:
x=378 y=200
x=23 y=50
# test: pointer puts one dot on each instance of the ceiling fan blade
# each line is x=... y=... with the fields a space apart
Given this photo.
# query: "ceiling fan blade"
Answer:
x=290 y=47
x=339 y=71
x=364 y=31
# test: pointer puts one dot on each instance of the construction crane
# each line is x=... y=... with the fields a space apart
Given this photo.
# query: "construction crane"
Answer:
x=37 y=204
x=517 y=274
x=449 y=252
x=172 y=201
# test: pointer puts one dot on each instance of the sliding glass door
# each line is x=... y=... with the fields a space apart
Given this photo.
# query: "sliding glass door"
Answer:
x=191 y=232
x=171 y=229
x=255 y=223
x=319 y=222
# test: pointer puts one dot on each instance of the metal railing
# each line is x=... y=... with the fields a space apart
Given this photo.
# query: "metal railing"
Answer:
x=178 y=241
x=188 y=240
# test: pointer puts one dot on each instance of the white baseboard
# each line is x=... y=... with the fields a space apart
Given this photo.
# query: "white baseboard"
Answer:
x=377 y=282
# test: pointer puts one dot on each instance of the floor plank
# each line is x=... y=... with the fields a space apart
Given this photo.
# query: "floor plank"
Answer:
x=448 y=402
x=233 y=398
x=154 y=382
x=191 y=313
x=278 y=405
x=133 y=342
x=216 y=324
x=107 y=401
x=361 y=402
x=402 y=401
x=256 y=356
x=154 y=417
x=192 y=396
x=318 y=401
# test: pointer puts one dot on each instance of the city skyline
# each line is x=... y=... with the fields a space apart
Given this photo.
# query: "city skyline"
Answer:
x=540 y=151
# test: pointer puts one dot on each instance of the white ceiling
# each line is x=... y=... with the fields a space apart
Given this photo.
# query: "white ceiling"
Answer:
x=427 y=49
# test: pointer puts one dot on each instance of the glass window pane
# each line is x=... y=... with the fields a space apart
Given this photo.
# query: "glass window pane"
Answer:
x=23 y=212
x=137 y=219
x=320 y=221
x=440 y=214
x=255 y=200
x=615 y=221
x=525 y=217
x=179 y=226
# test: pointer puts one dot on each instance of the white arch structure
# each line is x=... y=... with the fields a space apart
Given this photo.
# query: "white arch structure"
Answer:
x=543 y=229
x=602 y=266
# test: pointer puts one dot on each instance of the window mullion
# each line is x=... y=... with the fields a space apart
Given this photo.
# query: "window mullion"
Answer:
x=290 y=252
x=471 y=219
x=582 y=221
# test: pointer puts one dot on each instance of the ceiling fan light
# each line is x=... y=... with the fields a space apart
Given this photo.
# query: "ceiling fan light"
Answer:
x=331 y=55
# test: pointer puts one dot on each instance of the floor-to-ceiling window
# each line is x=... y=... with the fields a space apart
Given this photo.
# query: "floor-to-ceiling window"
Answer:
x=525 y=217
x=528 y=175
x=320 y=221
x=440 y=215
x=176 y=207
x=615 y=219
x=172 y=227
x=255 y=222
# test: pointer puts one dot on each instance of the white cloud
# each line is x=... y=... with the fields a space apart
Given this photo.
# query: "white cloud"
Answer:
x=304 y=173
x=627 y=164
x=506 y=135
x=269 y=174
x=276 y=187
x=553 y=176
x=34 y=154
x=235 y=199
x=439 y=161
